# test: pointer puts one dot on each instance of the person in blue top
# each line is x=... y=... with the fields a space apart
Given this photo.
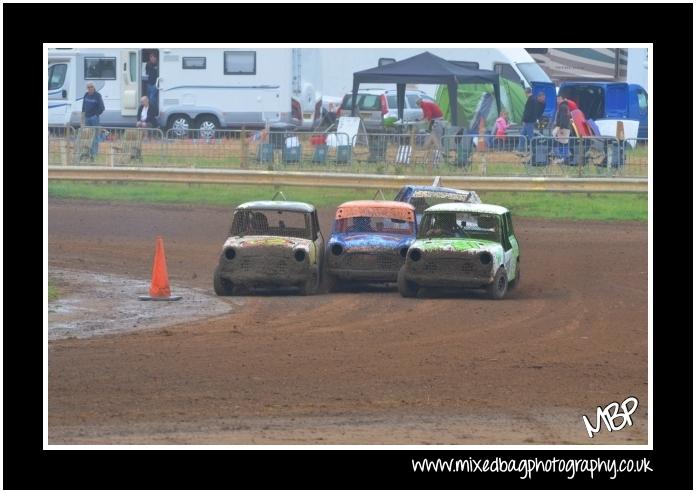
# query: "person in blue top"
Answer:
x=92 y=107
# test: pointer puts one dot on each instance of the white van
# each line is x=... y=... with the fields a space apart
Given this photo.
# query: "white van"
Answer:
x=200 y=88
x=512 y=63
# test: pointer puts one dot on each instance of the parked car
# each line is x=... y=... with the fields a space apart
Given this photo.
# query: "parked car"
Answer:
x=463 y=246
x=374 y=105
x=423 y=196
x=369 y=241
x=271 y=244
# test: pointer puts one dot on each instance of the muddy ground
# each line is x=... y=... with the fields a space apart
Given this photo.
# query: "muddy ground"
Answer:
x=355 y=367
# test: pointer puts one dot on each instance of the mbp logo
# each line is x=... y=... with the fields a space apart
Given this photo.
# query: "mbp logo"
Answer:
x=609 y=415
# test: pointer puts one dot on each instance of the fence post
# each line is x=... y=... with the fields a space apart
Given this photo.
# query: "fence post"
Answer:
x=581 y=158
x=63 y=153
x=245 y=148
x=482 y=133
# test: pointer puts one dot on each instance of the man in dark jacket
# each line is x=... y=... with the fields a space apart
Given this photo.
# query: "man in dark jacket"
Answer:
x=152 y=71
x=92 y=107
x=533 y=110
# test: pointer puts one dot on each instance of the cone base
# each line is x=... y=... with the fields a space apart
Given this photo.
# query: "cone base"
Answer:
x=165 y=298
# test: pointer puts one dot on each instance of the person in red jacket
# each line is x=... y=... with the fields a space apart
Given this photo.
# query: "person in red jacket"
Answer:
x=572 y=106
x=432 y=113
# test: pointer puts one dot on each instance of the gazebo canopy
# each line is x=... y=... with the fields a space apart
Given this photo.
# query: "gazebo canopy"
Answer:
x=425 y=68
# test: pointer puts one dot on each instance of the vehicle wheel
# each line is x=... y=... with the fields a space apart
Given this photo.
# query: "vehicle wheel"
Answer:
x=223 y=286
x=207 y=125
x=179 y=124
x=497 y=289
x=311 y=286
x=515 y=283
x=408 y=289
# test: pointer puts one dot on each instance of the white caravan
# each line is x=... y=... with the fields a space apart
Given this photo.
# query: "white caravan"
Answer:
x=199 y=88
x=512 y=63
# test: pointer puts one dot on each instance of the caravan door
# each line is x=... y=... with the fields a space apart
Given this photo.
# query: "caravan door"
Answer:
x=129 y=83
x=550 y=90
x=59 y=97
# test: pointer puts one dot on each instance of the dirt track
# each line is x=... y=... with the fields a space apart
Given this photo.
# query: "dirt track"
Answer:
x=355 y=367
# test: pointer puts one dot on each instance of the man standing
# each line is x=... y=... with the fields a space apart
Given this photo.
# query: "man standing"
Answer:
x=92 y=107
x=433 y=114
x=152 y=71
x=533 y=110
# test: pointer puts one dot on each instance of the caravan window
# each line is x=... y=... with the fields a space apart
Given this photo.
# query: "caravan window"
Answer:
x=193 y=62
x=100 y=68
x=133 y=66
x=240 y=62
x=507 y=72
x=385 y=61
x=56 y=75
x=533 y=72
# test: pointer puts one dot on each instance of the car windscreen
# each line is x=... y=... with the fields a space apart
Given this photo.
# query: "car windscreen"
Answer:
x=473 y=225
x=366 y=102
x=422 y=202
x=374 y=224
x=248 y=222
x=412 y=98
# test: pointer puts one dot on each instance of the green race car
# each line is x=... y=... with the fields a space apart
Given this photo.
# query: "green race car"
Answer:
x=463 y=245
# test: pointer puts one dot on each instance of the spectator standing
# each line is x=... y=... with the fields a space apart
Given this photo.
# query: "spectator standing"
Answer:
x=501 y=126
x=152 y=72
x=92 y=107
x=533 y=110
x=561 y=132
x=433 y=114
x=572 y=106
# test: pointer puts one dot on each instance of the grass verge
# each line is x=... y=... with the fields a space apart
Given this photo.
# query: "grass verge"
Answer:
x=578 y=206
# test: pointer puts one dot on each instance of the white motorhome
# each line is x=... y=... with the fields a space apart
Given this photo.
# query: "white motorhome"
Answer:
x=199 y=88
x=512 y=63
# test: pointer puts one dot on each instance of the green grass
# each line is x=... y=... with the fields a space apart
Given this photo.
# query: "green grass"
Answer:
x=580 y=206
x=224 y=195
x=52 y=292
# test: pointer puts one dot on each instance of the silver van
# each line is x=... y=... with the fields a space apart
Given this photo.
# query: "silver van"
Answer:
x=375 y=105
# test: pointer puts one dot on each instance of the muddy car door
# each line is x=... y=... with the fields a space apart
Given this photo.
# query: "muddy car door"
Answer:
x=510 y=246
x=317 y=241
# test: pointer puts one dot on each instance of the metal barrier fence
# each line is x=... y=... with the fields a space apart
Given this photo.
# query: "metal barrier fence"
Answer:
x=107 y=146
x=375 y=153
x=60 y=144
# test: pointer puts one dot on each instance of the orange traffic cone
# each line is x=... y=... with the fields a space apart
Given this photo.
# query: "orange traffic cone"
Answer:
x=159 y=288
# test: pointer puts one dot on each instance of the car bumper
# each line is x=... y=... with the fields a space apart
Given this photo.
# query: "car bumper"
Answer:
x=266 y=274
x=365 y=275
